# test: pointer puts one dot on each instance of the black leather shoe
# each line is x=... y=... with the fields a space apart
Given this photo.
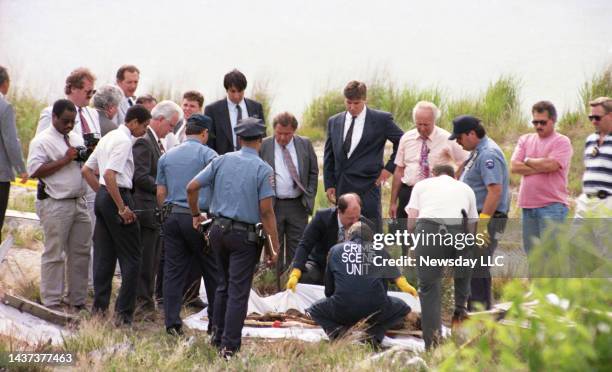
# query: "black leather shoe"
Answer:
x=197 y=303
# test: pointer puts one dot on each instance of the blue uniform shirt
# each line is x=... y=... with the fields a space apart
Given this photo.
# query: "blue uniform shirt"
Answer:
x=485 y=166
x=239 y=180
x=178 y=166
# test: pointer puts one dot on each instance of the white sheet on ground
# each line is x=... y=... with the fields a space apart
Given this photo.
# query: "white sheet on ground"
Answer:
x=28 y=328
x=304 y=296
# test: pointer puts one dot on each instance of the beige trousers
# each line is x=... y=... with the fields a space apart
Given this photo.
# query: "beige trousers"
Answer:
x=67 y=229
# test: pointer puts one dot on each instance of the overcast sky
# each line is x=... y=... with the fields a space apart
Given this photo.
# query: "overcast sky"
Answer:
x=301 y=48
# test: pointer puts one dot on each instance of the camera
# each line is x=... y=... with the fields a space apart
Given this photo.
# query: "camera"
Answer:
x=83 y=152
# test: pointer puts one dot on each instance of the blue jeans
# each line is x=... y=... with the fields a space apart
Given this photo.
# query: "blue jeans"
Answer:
x=535 y=221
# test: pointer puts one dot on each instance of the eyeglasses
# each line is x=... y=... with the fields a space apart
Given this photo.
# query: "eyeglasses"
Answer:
x=595 y=117
x=539 y=122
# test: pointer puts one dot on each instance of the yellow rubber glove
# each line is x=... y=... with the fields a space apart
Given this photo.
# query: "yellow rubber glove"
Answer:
x=483 y=231
x=293 y=279
x=405 y=287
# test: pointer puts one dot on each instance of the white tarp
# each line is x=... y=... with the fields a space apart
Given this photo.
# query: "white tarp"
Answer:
x=304 y=296
x=28 y=328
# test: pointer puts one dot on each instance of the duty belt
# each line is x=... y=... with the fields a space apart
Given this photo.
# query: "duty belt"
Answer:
x=601 y=194
x=228 y=223
x=180 y=210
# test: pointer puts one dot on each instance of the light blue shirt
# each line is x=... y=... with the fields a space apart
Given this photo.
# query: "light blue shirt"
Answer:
x=486 y=166
x=239 y=180
x=178 y=166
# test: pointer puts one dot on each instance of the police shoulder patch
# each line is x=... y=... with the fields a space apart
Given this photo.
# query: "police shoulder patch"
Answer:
x=489 y=164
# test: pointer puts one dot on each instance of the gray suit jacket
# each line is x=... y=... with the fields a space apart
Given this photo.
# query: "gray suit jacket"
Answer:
x=307 y=165
x=106 y=124
x=10 y=148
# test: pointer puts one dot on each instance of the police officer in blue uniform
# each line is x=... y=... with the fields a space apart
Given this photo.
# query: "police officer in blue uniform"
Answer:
x=184 y=244
x=486 y=172
x=242 y=194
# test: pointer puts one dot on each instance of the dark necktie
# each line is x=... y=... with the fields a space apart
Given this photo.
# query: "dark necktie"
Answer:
x=238 y=120
x=66 y=140
x=130 y=103
x=291 y=167
x=161 y=147
x=84 y=126
x=346 y=146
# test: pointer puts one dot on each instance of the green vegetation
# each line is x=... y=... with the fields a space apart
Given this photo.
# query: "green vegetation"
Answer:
x=27 y=110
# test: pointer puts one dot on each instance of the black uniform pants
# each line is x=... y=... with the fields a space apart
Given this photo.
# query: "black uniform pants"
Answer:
x=115 y=241
x=183 y=246
x=236 y=259
x=404 y=194
x=337 y=315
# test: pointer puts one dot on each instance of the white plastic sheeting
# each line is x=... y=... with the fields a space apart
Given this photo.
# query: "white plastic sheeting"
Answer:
x=28 y=328
x=304 y=296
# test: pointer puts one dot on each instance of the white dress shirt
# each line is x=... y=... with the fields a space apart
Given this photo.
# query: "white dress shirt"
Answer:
x=233 y=113
x=284 y=182
x=114 y=151
x=443 y=198
x=124 y=105
x=357 y=129
x=90 y=114
x=49 y=145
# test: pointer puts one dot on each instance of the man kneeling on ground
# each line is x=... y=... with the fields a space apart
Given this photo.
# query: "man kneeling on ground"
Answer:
x=352 y=296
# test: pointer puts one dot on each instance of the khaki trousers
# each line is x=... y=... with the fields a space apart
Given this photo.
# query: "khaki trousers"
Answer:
x=67 y=228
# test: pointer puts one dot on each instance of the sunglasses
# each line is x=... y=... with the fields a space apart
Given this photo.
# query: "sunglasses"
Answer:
x=595 y=151
x=539 y=122
x=90 y=92
x=595 y=117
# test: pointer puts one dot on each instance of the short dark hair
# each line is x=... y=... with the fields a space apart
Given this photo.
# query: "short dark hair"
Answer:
x=194 y=95
x=235 y=79
x=3 y=75
x=285 y=119
x=123 y=69
x=545 y=106
x=343 y=201
x=480 y=130
x=77 y=78
x=138 y=112
x=441 y=169
x=145 y=98
x=62 y=105
x=191 y=129
x=355 y=90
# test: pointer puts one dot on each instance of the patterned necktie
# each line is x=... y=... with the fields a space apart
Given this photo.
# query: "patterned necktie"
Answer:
x=238 y=120
x=161 y=147
x=346 y=146
x=340 y=234
x=66 y=140
x=291 y=167
x=84 y=126
x=424 y=160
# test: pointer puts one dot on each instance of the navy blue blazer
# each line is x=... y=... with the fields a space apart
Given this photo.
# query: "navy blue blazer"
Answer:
x=359 y=172
x=319 y=236
x=221 y=139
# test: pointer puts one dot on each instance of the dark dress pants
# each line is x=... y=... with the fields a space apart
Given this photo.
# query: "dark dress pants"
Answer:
x=115 y=241
x=291 y=220
x=183 y=246
x=5 y=188
x=372 y=209
x=236 y=259
x=430 y=277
